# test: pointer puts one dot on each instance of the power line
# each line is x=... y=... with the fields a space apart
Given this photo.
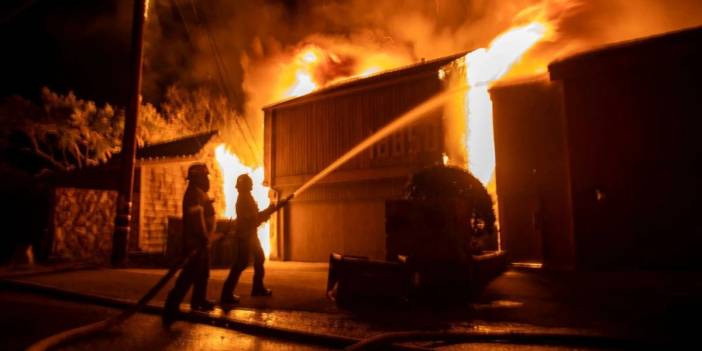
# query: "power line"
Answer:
x=223 y=73
x=223 y=66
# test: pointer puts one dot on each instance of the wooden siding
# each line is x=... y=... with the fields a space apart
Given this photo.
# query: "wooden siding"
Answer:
x=345 y=212
x=302 y=139
x=344 y=217
x=532 y=173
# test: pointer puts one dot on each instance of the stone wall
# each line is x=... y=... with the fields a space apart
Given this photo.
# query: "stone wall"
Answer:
x=83 y=223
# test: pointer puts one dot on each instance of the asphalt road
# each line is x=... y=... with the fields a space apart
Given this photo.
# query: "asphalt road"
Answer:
x=27 y=318
x=650 y=306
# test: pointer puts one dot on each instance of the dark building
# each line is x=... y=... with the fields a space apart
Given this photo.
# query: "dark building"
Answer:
x=600 y=167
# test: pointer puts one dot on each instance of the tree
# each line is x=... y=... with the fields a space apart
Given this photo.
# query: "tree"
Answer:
x=66 y=132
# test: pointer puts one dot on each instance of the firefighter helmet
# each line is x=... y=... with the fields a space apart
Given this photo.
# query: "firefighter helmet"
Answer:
x=198 y=169
x=244 y=182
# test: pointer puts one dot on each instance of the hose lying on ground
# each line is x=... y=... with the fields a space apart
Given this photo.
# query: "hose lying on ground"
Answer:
x=305 y=337
x=68 y=335
x=72 y=334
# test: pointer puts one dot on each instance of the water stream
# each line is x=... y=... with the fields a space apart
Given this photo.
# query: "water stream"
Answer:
x=404 y=119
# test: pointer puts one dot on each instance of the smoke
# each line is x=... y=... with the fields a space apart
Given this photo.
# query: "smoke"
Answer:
x=243 y=48
x=589 y=24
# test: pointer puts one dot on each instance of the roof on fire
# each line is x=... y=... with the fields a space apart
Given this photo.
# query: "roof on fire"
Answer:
x=424 y=67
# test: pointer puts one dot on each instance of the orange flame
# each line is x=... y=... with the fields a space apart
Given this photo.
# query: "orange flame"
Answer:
x=304 y=65
x=484 y=66
x=231 y=168
x=314 y=67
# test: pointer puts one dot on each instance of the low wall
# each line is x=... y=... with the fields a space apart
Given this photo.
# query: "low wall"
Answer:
x=83 y=223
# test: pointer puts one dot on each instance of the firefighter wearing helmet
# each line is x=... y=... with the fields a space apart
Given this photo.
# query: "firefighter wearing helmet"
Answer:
x=198 y=224
x=248 y=246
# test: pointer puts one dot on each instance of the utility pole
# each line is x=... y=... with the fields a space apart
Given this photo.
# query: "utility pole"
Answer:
x=120 y=237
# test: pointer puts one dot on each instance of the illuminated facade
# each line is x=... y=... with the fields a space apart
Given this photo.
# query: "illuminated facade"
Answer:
x=345 y=211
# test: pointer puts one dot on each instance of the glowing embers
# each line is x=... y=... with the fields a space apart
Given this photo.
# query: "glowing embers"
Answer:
x=483 y=67
x=231 y=168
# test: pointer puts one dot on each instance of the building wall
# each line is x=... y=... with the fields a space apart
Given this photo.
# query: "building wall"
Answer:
x=635 y=165
x=632 y=125
x=163 y=183
x=345 y=211
x=346 y=218
x=532 y=173
x=162 y=188
x=310 y=136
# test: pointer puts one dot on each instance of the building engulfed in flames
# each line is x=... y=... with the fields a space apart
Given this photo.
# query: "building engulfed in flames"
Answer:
x=597 y=166
x=598 y=163
x=345 y=211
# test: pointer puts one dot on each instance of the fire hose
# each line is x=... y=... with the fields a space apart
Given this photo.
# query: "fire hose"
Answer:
x=72 y=334
x=104 y=325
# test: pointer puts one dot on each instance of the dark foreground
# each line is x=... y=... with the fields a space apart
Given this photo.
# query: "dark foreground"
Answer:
x=652 y=308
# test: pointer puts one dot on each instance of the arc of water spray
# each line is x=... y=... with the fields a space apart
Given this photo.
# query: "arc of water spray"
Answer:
x=404 y=119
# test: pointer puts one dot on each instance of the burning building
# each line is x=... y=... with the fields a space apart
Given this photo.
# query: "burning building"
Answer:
x=599 y=166
x=345 y=211
x=596 y=165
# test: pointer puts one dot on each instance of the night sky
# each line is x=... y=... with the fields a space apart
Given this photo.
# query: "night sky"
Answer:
x=83 y=45
x=79 y=45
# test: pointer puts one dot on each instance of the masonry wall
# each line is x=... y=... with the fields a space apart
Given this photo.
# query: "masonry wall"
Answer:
x=162 y=188
x=83 y=222
x=163 y=183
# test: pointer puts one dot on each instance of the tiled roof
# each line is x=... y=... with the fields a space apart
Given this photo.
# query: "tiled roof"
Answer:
x=184 y=147
x=106 y=176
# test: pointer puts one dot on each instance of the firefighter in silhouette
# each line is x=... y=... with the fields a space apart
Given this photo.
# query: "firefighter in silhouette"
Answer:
x=248 y=246
x=198 y=225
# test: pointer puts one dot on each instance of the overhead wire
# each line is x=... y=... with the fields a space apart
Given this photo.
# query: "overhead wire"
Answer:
x=222 y=72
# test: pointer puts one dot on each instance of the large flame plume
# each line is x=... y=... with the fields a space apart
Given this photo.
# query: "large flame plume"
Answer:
x=231 y=168
x=484 y=66
x=304 y=64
